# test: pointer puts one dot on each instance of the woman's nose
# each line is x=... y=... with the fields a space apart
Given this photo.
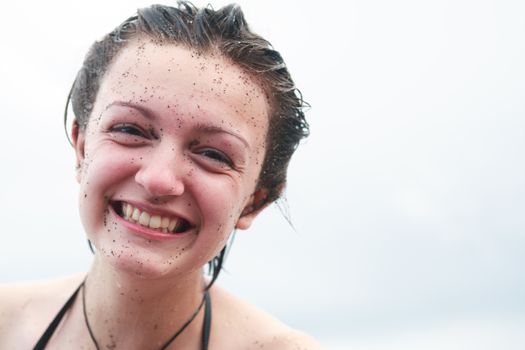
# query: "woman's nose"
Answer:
x=160 y=174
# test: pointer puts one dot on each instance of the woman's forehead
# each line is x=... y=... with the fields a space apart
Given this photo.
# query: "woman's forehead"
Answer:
x=156 y=65
x=167 y=76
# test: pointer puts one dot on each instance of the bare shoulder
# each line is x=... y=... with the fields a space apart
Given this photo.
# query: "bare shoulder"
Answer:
x=240 y=325
x=26 y=308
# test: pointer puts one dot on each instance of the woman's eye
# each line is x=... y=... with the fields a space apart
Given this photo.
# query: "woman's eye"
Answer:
x=128 y=129
x=217 y=156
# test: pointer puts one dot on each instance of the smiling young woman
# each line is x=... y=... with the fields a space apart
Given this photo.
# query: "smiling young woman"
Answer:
x=185 y=122
x=172 y=159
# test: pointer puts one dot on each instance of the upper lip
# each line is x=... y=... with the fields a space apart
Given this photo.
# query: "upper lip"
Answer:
x=157 y=211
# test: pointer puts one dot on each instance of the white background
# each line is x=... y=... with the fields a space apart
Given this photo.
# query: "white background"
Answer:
x=408 y=199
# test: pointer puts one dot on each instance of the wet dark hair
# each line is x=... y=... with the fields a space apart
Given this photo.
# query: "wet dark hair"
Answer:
x=208 y=31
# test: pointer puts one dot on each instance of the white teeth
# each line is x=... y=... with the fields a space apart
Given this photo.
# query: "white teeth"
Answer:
x=155 y=221
x=163 y=224
x=173 y=223
x=144 y=219
x=124 y=210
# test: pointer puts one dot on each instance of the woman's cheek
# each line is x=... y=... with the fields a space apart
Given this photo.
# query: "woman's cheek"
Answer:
x=219 y=197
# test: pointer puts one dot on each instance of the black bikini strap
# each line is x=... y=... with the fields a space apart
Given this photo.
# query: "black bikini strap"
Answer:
x=206 y=327
x=42 y=342
x=44 y=339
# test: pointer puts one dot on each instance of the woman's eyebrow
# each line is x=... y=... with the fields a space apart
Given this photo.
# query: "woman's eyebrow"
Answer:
x=145 y=111
x=214 y=129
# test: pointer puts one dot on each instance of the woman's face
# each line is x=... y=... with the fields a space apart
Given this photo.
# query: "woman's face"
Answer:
x=170 y=158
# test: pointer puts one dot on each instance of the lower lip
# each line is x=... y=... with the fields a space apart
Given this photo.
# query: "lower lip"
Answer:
x=146 y=232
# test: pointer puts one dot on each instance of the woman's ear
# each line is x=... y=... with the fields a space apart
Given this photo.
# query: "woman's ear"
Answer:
x=256 y=204
x=78 y=139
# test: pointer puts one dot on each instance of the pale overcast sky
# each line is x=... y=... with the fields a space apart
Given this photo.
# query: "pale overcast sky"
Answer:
x=408 y=199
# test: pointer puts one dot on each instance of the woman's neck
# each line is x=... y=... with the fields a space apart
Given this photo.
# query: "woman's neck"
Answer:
x=134 y=312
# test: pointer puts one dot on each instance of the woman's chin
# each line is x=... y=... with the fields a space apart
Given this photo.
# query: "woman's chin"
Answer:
x=142 y=263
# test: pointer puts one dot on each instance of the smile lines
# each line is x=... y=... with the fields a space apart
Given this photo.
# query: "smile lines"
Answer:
x=156 y=222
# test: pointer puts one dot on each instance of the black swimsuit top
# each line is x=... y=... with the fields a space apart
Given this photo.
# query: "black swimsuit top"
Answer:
x=44 y=339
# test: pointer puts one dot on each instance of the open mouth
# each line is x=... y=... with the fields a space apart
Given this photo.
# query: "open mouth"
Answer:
x=164 y=224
